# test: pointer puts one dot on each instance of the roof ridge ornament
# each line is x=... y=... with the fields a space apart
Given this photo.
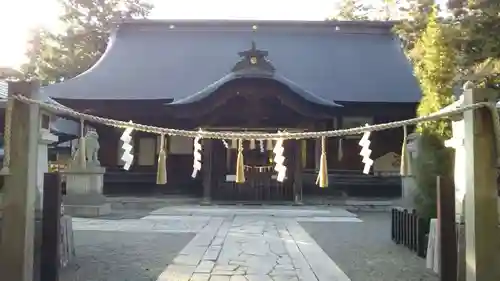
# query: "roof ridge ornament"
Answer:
x=255 y=59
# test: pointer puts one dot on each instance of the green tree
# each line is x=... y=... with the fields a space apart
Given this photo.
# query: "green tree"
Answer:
x=86 y=26
x=477 y=39
x=435 y=70
x=352 y=10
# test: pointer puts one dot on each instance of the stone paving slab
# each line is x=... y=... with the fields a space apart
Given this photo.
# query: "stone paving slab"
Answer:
x=275 y=211
x=252 y=248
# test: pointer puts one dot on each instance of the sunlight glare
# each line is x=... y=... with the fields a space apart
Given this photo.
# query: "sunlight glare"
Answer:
x=17 y=19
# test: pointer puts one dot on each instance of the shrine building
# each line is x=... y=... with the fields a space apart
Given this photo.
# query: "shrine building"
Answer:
x=248 y=76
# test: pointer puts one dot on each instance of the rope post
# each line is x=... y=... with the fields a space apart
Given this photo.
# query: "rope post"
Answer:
x=16 y=250
x=481 y=213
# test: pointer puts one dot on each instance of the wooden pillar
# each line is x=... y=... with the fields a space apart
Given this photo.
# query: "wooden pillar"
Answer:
x=481 y=214
x=17 y=246
x=207 y=171
x=446 y=229
x=50 y=261
x=297 y=172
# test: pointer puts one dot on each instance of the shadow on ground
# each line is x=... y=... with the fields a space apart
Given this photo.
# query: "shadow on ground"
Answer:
x=121 y=256
x=365 y=252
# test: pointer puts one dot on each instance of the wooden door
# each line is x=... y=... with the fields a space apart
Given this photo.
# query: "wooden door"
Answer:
x=351 y=160
x=260 y=184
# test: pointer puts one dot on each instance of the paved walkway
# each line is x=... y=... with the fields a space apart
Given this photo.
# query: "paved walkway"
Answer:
x=255 y=245
x=237 y=244
x=250 y=243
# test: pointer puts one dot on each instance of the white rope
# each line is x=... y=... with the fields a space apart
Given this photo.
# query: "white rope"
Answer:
x=60 y=110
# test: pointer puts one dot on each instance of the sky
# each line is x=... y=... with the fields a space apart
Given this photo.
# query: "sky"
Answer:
x=18 y=17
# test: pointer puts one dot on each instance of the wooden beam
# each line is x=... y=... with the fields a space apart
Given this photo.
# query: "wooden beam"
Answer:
x=297 y=172
x=481 y=214
x=207 y=171
x=17 y=248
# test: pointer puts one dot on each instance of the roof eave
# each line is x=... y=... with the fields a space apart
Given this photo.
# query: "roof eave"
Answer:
x=255 y=73
x=261 y=23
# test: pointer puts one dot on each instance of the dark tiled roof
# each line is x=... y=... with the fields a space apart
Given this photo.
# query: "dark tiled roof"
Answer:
x=335 y=61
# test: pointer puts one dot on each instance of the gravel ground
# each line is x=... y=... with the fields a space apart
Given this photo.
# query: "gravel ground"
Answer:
x=120 y=256
x=365 y=252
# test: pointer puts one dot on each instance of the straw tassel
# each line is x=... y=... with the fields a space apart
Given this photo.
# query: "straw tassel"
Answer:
x=322 y=179
x=303 y=151
x=252 y=144
x=404 y=171
x=240 y=166
x=161 y=175
x=269 y=145
x=82 y=154
x=340 y=153
x=234 y=144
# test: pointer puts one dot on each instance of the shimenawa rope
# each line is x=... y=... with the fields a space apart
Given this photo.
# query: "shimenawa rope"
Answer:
x=221 y=135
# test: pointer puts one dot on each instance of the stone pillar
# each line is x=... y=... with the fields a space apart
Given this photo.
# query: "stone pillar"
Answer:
x=408 y=183
x=481 y=215
x=17 y=245
x=460 y=172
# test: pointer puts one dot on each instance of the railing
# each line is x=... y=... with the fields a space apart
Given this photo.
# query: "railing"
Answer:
x=409 y=230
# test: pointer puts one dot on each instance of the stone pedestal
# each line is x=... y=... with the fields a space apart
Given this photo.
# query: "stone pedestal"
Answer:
x=408 y=183
x=409 y=191
x=84 y=196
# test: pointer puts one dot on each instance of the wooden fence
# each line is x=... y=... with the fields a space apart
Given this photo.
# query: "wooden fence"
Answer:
x=409 y=230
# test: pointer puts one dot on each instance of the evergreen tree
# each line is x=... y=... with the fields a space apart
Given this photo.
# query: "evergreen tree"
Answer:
x=86 y=26
x=435 y=71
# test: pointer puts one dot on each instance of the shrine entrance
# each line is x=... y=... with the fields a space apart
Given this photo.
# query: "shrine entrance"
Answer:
x=252 y=97
x=261 y=182
x=261 y=105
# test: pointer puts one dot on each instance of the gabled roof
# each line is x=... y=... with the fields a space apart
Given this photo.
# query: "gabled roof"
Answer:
x=254 y=64
x=335 y=61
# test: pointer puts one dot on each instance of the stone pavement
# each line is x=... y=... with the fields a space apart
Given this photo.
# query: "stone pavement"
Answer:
x=254 y=245
x=241 y=244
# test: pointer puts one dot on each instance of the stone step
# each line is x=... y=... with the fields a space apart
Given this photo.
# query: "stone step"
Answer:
x=257 y=211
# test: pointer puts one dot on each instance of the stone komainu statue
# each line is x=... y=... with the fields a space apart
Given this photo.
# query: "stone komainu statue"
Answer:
x=91 y=150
